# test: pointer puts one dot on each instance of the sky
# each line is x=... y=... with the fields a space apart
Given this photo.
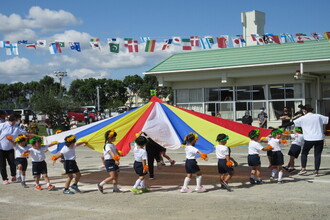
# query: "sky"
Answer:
x=77 y=20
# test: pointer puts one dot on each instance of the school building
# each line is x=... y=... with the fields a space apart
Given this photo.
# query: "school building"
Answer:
x=235 y=80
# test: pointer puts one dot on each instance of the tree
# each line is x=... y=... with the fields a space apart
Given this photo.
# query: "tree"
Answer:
x=150 y=82
x=133 y=84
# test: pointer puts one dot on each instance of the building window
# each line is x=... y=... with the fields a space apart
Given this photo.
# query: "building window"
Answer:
x=326 y=90
x=258 y=92
x=219 y=94
x=189 y=95
x=243 y=93
x=285 y=91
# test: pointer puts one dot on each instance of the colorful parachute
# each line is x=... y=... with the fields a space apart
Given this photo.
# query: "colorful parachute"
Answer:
x=165 y=124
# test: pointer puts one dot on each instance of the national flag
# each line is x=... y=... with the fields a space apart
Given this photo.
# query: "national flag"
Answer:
x=112 y=40
x=274 y=38
x=132 y=46
x=236 y=42
x=95 y=40
x=285 y=38
x=150 y=46
x=3 y=43
x=62 y=44
x=260 y=40
x=211 y=40
x=75 y=46
x=114 y=48
x=316 y=36
x=186 y=45
x=55 y=48
x=177 y=40
x=205 y=43
x=126 y=41
x=95 y=44
x=41 y=43
x=254 y=37
x=167 y=44
x=31 y=45
x=144 y=39
x=11 y=49
x=327 y=35
x=300 y=38
x=222 y=42
x=241 y=38
x=267 y=39
x=194 y=41
x=22 y=42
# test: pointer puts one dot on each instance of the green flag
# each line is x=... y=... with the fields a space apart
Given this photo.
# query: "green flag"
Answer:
x=153 y=92
x=114 y=48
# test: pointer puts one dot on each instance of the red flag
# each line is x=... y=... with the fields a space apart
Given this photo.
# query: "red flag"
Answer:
x=222 y=42
x=132 y=46
x=276 y=39
x=194 y=41
x=327 y=35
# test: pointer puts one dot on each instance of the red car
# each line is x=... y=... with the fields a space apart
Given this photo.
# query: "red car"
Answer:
x=79 y=113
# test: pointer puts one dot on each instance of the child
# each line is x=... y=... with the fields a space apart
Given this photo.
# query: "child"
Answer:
x=140 y=164
x=253 y=157
x=20 y=146
x=295 y=148
x=163 y=154
x=191 y=163
x=39 y=165
x=225 y=165
x=69 y=153
x=277 y=157
x=111 y=161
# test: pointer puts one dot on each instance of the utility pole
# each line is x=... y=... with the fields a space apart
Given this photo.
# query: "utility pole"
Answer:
x=98 y=98
x=60 y=75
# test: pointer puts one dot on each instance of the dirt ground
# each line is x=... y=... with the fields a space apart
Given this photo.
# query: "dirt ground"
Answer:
x=300 y=197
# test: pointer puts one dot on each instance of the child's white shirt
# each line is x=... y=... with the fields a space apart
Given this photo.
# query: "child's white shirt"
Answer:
x=108 y=147
x=19 y=150
x=221 y=151
x=275 y=143
x=191 y=152
x=38 y=155
x=69 y=153
x=298 y=139
x=254 y=147
x=140 y=154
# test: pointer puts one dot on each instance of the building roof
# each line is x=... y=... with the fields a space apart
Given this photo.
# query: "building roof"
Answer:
x=245 y=56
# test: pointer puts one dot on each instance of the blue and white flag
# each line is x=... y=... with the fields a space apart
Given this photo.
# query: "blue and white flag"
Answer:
x=112 y=40
x=286 y=38
x=11 y=49
x=3 y=43
x=22 y=42
x=55 y=48
x=144 y=39
x=205 y=43
x=176 y=40
x=75 y=46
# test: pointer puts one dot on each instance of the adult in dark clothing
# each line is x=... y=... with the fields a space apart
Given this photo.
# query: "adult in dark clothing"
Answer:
x=285 y=117
x=247 y=119
x=65 y=124
x=153 y=151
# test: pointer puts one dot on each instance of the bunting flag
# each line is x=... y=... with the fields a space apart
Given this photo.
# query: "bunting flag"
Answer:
x=300 y=38
x=241 y=38
x=236 y=42
x=3 y=43
x=95 y=40
x=11 y=49
x=75 y=46
x=167 y=125
x=41 y=43
x=205 y=43
x=254 y=37
x=31 y=45
x=287 y=38
x=260 y=40
x=222 y=42
x=126 y=41
x=167 y=44
x=95 y=45
x=22 y=42
x=194 y=41
x=150 y=46
x=274 y=38
x=112 y=40
x=186 y=45
x=144 y=39
x=327 y=35
x=177 y=40
x=114 y=47
x=132 y=46
x=210 y=39
x=62 y=44
x=55 y=48
x=267 y=39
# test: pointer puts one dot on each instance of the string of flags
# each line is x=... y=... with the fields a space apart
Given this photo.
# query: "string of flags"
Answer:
x=186 y=44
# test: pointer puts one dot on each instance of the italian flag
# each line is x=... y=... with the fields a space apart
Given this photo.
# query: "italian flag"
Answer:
x=150 y=46
x=186 y=44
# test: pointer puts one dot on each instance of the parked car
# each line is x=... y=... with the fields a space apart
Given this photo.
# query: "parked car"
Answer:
x=79 y=113
x=5 y=113
x=24 y=112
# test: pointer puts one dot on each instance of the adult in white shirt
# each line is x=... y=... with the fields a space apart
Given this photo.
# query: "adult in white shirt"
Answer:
x=312 y=126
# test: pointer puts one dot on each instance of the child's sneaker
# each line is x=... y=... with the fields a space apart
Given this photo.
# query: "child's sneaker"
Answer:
x=38 y=187
x=172 y=162
x=100 y=188
x=75 y=188
x=5 y=182
x=51 y=187
x=252 y=181
x=200 y=189
x=24 y=185
x=280 y=182
x=145 y=190
x=136 y=191
x=67 y=191
x=272 y=179
x=117 y=190
x=185 y=190
x=260 y=182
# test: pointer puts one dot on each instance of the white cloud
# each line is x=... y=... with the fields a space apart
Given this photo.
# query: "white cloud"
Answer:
x=22 y=34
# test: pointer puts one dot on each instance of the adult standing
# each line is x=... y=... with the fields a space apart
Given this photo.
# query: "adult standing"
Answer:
x=285 y=117
x=312 y=126
x=8 y=128
x=49 y=123
x=262 y=118
x=247 y=118
x=153 y=153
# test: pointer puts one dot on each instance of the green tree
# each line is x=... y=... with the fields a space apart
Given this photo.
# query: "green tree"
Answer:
x=133 y=84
